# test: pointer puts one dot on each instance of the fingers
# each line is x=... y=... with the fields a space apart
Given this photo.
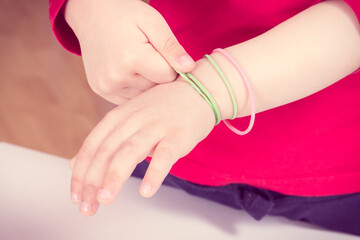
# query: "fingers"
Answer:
x=88 y=150
x=165 y=42
x=120 y=153
x=154 y=67
x=165 y=155
x=132 y=152
x=112 y=165
x=115 y=160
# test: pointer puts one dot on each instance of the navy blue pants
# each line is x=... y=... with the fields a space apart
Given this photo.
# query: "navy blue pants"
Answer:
x=338 y=213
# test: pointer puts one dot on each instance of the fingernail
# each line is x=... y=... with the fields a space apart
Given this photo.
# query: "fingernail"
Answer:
x=147 y=189
x=75 y=198
x=185 y=60
x=105 y=194
x=86 y=207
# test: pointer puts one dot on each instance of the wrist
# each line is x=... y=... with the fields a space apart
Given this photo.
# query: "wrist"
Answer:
x=211 y=80
x=197 y=100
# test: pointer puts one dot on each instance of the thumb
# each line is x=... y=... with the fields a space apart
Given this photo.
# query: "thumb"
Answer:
x=164 y=41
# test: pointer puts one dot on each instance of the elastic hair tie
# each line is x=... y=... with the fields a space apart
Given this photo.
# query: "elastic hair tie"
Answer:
x=222 y=75
x=251 y=94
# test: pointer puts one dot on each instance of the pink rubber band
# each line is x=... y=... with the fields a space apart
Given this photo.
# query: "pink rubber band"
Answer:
x=251 y=94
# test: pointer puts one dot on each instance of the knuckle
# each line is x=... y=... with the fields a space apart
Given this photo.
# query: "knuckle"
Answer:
x=138 y=117
x=128 y=61
x=129 y=147
x=112 y=79
x=158 y=172
x=165 y=152
x=84 y=151
x=106 y=84
x=75 y=182
x=113 y=178
x=90 y=188
x=104 y=149
x=171 y=46
x=178 y=130
x=103 y=88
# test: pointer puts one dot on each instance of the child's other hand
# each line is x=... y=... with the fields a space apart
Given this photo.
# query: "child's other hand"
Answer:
x=165 y=122
x=127 y=47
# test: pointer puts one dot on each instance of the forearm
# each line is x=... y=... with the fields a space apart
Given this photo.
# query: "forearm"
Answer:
x=297 y=58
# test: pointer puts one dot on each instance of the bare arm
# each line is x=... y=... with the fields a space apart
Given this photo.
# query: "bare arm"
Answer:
x=295 y=59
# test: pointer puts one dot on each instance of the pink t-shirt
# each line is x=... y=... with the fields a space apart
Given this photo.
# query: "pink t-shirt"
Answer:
x=307 y=148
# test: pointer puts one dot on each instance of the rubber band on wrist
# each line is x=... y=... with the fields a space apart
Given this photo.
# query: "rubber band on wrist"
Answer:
x=211 y=99
x=249 y=89
x=203 y=92
x=222 y=75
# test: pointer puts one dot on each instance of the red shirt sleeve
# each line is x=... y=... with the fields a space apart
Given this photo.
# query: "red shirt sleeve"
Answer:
x=61 y=29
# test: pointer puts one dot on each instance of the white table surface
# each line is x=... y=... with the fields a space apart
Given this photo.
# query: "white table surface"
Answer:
x=35 y=204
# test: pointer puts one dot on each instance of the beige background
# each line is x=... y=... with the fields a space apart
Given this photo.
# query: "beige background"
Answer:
x=45 y=101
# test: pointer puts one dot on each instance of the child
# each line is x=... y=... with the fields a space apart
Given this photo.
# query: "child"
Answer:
x=301 y=159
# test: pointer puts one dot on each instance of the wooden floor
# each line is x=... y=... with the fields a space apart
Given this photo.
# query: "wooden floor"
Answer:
x=45 y=102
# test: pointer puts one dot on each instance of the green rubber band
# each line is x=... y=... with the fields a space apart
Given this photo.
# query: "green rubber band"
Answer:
x=211 y=99
x=203 y=92
x=222 y=75
x=183 y=75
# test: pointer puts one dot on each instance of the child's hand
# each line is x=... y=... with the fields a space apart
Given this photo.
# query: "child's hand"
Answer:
x=127 y=47
x=168 y=121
